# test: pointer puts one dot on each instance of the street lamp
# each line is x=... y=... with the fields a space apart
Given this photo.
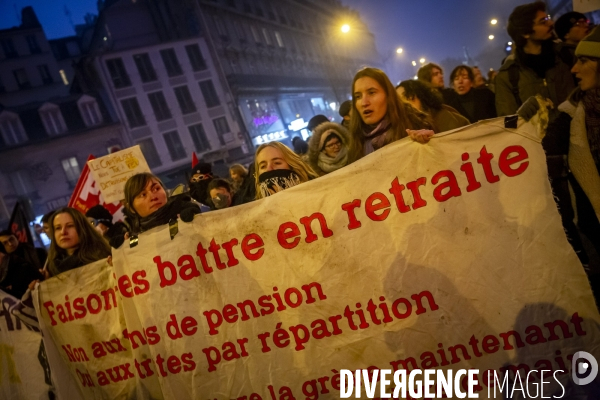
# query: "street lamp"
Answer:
x=494 y=21
x=491 y=37
x=345 y=28
x=399 y=50
x=414 y=63
x=422 y=61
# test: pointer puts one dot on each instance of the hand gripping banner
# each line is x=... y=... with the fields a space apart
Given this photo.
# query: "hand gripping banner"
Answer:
x=448 y=256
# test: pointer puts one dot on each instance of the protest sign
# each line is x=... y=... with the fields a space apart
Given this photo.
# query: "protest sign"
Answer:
x=112 y=171
x=24 y=373
x=86 y=195
x=449 y=255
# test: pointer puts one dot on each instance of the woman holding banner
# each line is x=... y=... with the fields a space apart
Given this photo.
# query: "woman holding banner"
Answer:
x=278 y=168
x=379 y=117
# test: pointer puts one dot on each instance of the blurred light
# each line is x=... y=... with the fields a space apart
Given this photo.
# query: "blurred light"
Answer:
x=508 y=48
x=333 y=105
x=63 y=76
x=105 y=38
x=491 y=37
x=399 y=50
x=415 y=77
x=414 y=63
x=494 y=21
x=510 y=43
x=345 y=28
x=422 y=60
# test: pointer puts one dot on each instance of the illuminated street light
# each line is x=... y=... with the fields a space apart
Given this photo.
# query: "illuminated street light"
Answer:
x=345 y=28
x=491 y=37
x=494 y=21
x=415 y=77
x=399 y=50
x=510 y=43
x=414 y=63
x=422 y=61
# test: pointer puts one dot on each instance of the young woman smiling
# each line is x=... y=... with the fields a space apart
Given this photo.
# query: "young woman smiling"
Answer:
x=378 y=115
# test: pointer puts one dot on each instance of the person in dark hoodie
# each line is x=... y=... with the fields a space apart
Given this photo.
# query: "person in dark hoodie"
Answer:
x=201 y=176
x=535 y=68
x=101 y=219
x=300 y=145
x=328 y=148
x=16 y=273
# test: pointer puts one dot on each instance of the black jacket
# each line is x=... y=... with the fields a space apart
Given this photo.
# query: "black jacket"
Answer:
x=482 y=102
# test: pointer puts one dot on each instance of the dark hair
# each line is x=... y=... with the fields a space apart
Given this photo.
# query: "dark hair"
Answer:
x=400 y=116
x=92 y=246
x=46 y=217
x=424 y=73
x=430 y=98
x=332 y=135
x=218 y=183
x=460 y=68
x=520 y=22
x=6 y=232
x=135 y=185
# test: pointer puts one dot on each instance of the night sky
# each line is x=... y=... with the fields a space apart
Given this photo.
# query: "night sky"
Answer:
x=433 y=29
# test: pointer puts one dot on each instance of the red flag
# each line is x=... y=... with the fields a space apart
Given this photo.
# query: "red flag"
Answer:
x=194 y=159
x=86 y=195
x=19 y=225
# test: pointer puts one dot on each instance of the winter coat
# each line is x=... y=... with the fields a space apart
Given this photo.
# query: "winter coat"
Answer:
x=483 y=104
x=447 y=118
x=16 y=274
x=556 y=85
x=316 y=158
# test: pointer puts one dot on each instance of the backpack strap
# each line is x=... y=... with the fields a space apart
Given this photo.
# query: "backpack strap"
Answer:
x=513 y=77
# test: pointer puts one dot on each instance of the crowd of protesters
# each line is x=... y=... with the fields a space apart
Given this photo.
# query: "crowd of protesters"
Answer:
x=556 y=62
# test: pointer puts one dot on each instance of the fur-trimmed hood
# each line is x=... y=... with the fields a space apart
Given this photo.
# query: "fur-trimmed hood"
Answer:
x=314 y=145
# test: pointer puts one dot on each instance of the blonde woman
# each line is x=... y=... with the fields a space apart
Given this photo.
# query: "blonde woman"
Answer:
x=278 y=168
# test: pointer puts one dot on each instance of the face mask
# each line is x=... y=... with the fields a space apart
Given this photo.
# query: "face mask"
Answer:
x=271 y=182
x=220 y=201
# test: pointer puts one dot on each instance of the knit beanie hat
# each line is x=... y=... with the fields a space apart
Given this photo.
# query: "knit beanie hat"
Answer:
x=563 y=25
x=345 y=108
x=316 y=121
x=202 y=168
x=590 y=45
x=100 y=214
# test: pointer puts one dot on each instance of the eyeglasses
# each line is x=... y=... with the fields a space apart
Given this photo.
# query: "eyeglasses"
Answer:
x=582 y=22
x=544 y=20
x=332 y=145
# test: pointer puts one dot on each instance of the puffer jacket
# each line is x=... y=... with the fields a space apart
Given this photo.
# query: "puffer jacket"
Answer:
x=314 y=144
x=556 y=86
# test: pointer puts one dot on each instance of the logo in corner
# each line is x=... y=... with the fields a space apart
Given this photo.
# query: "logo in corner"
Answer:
x=584 y=368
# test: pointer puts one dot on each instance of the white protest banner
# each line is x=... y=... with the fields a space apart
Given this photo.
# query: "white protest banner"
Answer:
x=23 y=368
x=112 y=171
x=584 y=6
x=448 y=256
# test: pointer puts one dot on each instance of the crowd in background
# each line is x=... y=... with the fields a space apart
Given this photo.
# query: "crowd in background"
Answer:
x=554 y=64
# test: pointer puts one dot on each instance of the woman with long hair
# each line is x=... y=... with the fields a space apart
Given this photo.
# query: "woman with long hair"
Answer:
x=278 y=168
x=237 y=173
x=378 y=115
x=75 y=242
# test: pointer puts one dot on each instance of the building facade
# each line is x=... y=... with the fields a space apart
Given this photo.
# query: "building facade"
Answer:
x=47 y=131
x=286 y=60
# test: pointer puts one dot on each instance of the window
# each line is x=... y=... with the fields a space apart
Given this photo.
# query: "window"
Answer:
x=171 y=62
x=255 y=34
x=222 y=127
x=34 y=48
x=221 y=29
x=259 y=10
x=174 y=145
x=282 y=17
x=45 y=74
x=52 y=119
x=21 y=78
x=195 y=56
x=279 y=39
x=267 y=36
x=9 y=48
x=22 y=182
x=11 y=129
x=198 y=135
x=72 y=170
x=239 y=30
x=159 y=106
x=117 y=72
x=149 y=151
x=145 y=68
x=88 y=106
x=133 y=112
x=184 y=98
x=247 y=8
x=209 y=93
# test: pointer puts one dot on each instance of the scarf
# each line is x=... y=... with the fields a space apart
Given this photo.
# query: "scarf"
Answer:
x=539 y=63
x=67 y=263
x=330 y=164
x=376 y=136
x=275 y=181
x=591 y=105
x=175 y=205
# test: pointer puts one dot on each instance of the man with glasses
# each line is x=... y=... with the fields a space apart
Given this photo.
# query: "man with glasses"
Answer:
x=571 y=28
x=536 y=67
